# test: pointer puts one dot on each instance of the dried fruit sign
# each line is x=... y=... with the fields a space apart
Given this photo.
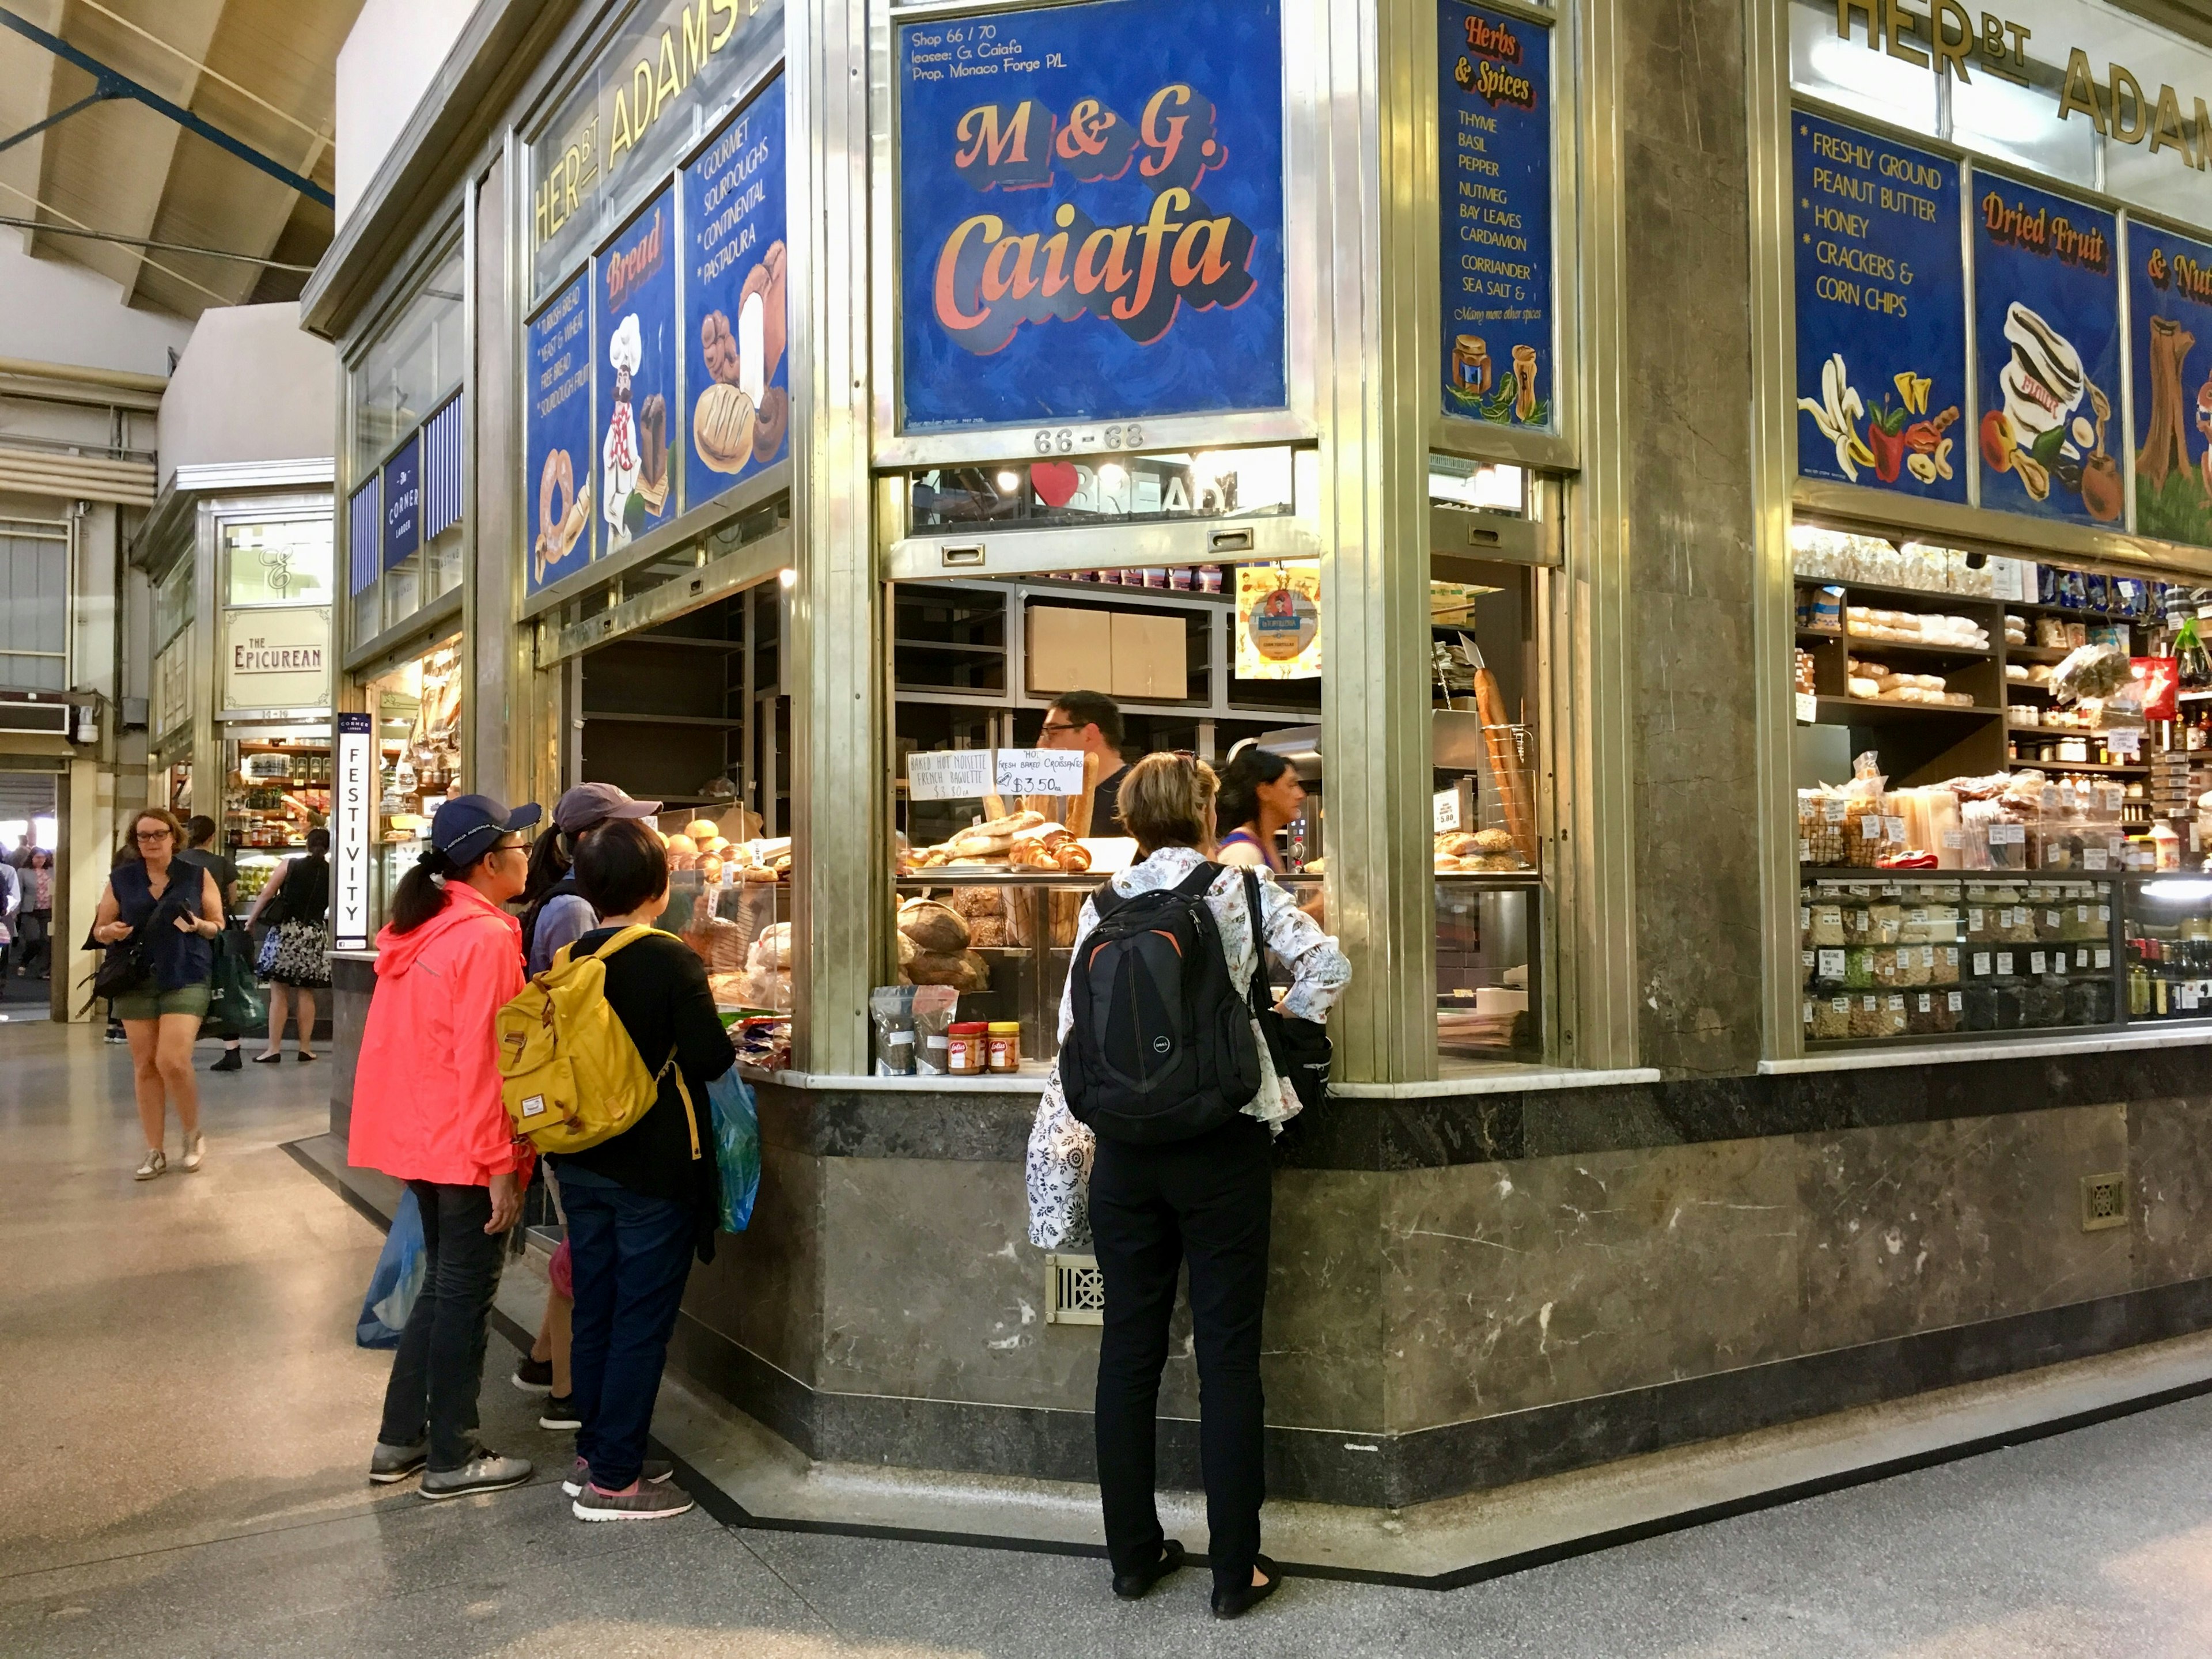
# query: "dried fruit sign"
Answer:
x=736 y=319
x=1091 y=213
x=1881 y=313
x=2047 y=338
x=634 y=399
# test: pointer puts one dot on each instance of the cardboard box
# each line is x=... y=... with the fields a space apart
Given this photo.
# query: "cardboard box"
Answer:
x=1070 y=650
x=1151 y=659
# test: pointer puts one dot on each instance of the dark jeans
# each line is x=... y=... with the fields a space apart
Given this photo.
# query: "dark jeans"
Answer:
x=630 y=1255
x=1206 y=1202
x=438 y=1371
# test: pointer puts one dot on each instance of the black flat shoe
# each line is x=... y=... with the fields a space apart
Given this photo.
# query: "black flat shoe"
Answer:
x=1132 y=1586
x=276 y=1059
x=1234 y=1603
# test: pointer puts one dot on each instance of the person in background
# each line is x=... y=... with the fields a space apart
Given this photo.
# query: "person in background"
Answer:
x=38 y=932
x=427 y=1109
x=199 y=848
x=556 y=913
x=11 y=902
x=156 y=894
x=640 y=1204
x=1091 y=721
x=296 y=903
x=1259 y=795
x=1206 y=1200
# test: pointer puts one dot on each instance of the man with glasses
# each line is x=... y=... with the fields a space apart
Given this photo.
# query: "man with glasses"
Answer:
x=1091 y=721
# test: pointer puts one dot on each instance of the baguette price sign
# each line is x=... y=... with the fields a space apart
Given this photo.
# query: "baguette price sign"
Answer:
x=1090 y=213
x=1040 y=771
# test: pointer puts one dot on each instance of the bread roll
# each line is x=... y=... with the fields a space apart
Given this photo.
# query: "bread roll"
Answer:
x=722 y=428
x=934 y=927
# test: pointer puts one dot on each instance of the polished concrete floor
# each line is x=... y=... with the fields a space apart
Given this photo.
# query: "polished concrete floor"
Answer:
x=184 y=1422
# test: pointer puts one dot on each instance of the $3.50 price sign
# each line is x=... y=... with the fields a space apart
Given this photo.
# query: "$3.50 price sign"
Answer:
x=1040 y=772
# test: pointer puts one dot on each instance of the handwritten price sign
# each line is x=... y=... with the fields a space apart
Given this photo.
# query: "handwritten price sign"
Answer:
x=950 y=774
x=1040 y=771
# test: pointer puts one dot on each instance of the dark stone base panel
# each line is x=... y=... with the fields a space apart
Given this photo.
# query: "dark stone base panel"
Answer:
x=1397 y=1471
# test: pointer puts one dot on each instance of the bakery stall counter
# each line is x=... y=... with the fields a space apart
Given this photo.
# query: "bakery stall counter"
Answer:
x=1489 y=994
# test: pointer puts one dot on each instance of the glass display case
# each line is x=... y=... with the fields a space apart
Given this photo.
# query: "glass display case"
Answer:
x=2169 y=949
x=1887 y=955
x=1002 y=939
x=1488 y=961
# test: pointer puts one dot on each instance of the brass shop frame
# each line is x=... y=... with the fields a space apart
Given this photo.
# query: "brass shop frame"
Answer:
x=1780 y=494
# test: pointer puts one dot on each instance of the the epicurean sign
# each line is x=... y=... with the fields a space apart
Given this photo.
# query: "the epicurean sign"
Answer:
x=1945 y=38
x=276 y=657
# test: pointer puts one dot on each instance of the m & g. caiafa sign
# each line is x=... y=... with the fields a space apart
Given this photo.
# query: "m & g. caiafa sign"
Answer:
x=276 y=657
x=1947 y=38
x=639 y=108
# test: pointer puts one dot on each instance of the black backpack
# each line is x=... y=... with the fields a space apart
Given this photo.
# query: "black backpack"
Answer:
x=1161 y=1048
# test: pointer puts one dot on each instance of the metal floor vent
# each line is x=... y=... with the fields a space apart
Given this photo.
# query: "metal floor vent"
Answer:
x=1074 y=1290
x=2104 y=1201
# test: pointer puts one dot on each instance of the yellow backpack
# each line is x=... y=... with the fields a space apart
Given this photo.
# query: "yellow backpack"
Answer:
x=569 y=1075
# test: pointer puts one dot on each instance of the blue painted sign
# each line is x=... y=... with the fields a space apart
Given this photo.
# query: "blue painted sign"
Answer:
x=2170 y=308
x=1494 y=162
x=558 y=433
x=1090 y=213
x=1882 y=314
x=403 y=502
x=736 y=373
x=2047 y=337
x=634 y=393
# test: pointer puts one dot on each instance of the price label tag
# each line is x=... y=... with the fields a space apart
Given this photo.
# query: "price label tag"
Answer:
x=2095 y=858
x=1953 y=839
x=1981 y=964
x=2036 y=962
x=1040 y=771
x=1808 y=708
x=2007 y=835
x=1445 y=805
x=950 y=774
x=1958 y=1001
x=2104 y=958
x=2004 y=963
x=1831 y=964
x=2126 y=743
x=1893 y=830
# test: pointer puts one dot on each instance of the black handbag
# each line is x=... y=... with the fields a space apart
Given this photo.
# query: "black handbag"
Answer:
x=123 y=971
x=1300 y=1048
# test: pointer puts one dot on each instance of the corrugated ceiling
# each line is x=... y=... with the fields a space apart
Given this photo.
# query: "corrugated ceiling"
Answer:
x=119 y=167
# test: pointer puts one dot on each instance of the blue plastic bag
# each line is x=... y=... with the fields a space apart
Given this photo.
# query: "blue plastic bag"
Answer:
x=737 y=1146
x=397 y=1281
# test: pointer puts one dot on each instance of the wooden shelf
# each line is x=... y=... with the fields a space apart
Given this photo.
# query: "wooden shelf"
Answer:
x=1879 y=712
x=1865 y=648
x=2075 y=766
x=1927 y=598
x=2050 y=654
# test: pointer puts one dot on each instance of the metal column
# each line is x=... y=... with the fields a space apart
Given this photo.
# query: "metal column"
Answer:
x=1372 y=137
x=842 y=895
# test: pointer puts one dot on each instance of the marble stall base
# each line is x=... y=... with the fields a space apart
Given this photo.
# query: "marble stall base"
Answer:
x=748 y=1474
x=352 y=980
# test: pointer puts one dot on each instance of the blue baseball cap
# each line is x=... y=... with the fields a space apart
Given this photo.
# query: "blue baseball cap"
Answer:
x=469 y=826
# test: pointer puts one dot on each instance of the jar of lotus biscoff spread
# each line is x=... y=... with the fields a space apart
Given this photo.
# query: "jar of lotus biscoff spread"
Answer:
x=969 y=1054
x=1003 y=1046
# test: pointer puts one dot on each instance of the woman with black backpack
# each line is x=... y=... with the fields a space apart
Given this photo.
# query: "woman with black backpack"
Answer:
x=1186 y=1179
x=296 y=903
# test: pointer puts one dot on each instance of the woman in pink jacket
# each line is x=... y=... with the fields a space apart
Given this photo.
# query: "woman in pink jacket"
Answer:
x=426 y=1109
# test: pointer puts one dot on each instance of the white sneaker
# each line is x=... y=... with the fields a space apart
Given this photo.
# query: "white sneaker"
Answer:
x=156 y=1163
x=195 y=1151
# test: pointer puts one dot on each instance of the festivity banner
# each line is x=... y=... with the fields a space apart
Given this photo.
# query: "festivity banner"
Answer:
x=2170 y=308
x=1090 y=213
x=1882 y=314
x=557 y=434
x=736 y=308
x=634 y=328
x=2047 y=337
x=1494 y=133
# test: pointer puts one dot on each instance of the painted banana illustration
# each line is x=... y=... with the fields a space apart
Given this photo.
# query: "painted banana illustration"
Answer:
x=1837 y=416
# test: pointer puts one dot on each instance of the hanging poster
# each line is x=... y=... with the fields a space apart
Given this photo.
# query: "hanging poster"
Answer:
x=403 y=502
x=557 y=434
x=1279 y=622
x=1882 y=314
x=634 y=332
x=1090 y=214
x=1494 y=133
x=2170 y=308
x=737 y=307
x=2047 y=336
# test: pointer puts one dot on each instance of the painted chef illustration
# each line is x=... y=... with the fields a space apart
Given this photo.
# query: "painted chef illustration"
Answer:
x=618 y=453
